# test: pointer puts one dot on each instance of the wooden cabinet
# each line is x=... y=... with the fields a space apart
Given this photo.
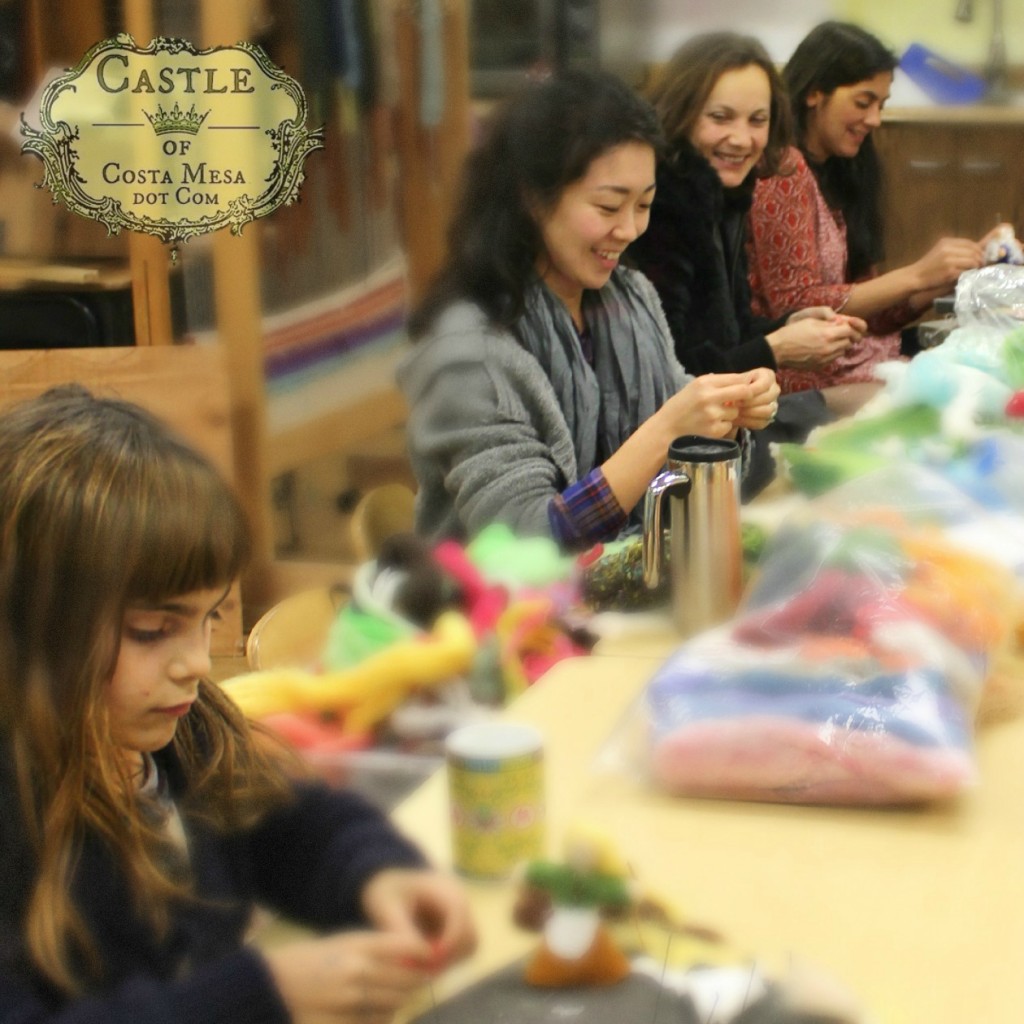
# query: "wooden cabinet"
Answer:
x=949 y=177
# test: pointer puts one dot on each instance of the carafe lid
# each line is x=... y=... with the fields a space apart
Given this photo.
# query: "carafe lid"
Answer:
x=694 y=448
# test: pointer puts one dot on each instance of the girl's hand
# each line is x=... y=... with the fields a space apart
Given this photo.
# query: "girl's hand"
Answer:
x=760 y=408
x=426 y=905
x=349 y=978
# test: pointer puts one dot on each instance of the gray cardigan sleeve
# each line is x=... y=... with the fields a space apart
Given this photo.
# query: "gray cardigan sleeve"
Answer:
x=486 y=437
x=492 y=462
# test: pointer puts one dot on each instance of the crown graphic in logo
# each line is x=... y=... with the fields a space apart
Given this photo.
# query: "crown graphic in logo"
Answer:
x=176 y=120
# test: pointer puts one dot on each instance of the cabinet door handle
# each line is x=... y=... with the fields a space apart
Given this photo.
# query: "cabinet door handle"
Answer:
x=981 y=166
x=930 y=166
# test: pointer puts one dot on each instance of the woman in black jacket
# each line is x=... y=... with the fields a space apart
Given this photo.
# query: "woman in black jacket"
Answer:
x=724 y=112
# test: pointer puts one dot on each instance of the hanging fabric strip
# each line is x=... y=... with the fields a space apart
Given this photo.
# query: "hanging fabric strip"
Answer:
x=314 y=43
x=384 y=17
x=352 y=43
x=432 y=83
x=367 y=85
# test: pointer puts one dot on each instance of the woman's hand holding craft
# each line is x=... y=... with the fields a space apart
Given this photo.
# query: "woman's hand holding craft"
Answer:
x=759 y=409
x=947 y=248
x=709 y=405
x=945 y=262
x=814 y=337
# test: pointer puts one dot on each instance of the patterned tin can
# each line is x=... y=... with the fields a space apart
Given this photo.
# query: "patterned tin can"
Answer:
x=496 y=795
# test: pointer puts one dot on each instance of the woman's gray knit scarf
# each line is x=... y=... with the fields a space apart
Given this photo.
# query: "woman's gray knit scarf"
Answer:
x=631 y=377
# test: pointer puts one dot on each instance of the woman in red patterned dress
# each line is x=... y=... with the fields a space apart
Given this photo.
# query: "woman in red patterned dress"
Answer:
x=816 y=227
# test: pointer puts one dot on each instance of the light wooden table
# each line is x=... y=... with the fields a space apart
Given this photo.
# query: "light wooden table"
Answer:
x=920 y=913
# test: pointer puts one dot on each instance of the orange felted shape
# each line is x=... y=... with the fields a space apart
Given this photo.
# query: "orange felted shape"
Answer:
x=602 y=964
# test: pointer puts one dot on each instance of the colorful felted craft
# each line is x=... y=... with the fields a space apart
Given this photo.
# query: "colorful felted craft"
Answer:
x=363 y=695
x=568 y=902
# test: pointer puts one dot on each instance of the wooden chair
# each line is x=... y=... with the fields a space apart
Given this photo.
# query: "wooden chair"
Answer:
x=187 y=386
x=293 y=632
x=380 y=513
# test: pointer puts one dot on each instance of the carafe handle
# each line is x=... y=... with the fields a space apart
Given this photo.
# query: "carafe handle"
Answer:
x=676 y=483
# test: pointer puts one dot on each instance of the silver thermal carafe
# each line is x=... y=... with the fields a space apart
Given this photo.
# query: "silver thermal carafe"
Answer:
x=702 y=488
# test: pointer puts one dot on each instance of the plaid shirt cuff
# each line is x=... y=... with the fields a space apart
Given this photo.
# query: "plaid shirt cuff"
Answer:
x=585 y=513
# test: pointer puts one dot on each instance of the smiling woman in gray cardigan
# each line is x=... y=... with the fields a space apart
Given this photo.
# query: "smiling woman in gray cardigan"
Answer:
x=543 y=388
x=474 y=389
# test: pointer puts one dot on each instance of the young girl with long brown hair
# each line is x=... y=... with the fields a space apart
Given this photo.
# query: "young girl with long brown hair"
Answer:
x=140 y=816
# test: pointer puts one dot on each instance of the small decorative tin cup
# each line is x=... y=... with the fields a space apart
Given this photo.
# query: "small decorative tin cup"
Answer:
x=496 y=793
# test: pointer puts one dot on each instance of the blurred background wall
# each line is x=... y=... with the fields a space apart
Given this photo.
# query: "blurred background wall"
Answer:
x=781 y=24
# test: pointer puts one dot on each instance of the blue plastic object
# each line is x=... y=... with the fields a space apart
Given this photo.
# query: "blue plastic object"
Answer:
x=943 y=81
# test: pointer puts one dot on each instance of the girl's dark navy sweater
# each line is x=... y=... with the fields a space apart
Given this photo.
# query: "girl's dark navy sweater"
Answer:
x=308 y=860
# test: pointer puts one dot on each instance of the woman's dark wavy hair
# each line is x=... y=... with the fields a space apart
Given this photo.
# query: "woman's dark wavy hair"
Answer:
x=543 y=139
x=681 y=89
x=834 y=54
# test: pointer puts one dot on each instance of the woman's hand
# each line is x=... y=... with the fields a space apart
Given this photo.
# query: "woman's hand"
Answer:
x=718 y=404
x=423 y=904
x=708 y=406
x=349 y=978
x=814 y=337
x=945 y=262
x=818 y=312
x=757 y=411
